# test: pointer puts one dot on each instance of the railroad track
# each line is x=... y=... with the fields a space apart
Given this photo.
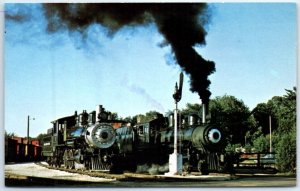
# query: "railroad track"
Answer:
x=120 y=177
x=129 y=176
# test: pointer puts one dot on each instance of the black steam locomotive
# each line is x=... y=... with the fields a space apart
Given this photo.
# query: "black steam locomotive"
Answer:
x=94 y=141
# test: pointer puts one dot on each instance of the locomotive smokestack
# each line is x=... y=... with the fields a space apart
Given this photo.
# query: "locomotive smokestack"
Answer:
x=99 y=109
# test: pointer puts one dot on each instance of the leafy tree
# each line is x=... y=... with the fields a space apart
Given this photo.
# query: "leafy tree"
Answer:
x=256 y=134
x=233 y=116
x=261 y=114
x=248 y=148
x=286 y=112
x=261 y=143
x=132 y=120
x=148 y=116
x=231 y=148
x=10 y=135
x=114 y=116
x=192 y=108
x=40 y=137
x=283 y=112
x=286 y=152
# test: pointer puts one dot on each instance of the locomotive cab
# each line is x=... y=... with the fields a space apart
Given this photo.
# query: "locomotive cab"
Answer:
x=148 y=133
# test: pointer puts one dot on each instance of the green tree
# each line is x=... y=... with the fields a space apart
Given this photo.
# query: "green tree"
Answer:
x=192 y=108
x=148 y=116
x=114 y=116
x=286 y=152
x=40 y=138
x=286 y=112
x=233 y=116
x=10 y=135
x=231 y=148
x=132 y=120
x=283 y=114
x=261 y=143
x=285 y=143
x=261 y=114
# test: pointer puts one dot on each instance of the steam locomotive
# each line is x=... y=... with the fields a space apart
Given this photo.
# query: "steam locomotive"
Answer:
x=95 y=141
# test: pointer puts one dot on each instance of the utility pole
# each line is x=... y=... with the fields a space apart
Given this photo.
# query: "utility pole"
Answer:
x=270 y=125
x=28 y=118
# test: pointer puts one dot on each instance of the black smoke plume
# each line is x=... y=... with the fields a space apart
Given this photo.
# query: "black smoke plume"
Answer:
x=16 y=17
x=182 y=25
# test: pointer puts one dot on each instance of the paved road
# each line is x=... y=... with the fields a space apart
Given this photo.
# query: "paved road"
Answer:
x=242 y=181
x=29 y=174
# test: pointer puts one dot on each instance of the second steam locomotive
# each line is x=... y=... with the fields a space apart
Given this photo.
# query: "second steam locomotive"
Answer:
x=95 y=141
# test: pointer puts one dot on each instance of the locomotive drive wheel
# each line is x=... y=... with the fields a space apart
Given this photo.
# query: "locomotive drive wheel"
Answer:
x=57 y=162
x=49 y=161
x=68 y=159
x=203 y=167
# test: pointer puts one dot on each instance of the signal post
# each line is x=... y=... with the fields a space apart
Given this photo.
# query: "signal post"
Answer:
x=175 y=159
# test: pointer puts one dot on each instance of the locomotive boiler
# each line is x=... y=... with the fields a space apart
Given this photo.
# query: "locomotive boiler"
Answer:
x=95 y=141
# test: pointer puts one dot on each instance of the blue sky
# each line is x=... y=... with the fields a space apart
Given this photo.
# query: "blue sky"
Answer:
x=48 y=76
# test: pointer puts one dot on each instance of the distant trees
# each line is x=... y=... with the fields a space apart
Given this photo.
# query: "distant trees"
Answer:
x=9 y=135
x=285 y=135
x=41 y=137
x=142 y=118
x=282 y=110
x=192 y=108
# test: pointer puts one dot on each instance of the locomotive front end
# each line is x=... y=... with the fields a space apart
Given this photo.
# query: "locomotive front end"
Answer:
x=101 y=135
x=207 y=136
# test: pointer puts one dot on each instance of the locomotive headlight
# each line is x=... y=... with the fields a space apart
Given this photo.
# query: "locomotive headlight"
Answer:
x=101 y=135
x=214 y=135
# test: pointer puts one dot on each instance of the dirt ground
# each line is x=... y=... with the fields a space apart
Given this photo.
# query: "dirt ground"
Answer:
x=32 y=175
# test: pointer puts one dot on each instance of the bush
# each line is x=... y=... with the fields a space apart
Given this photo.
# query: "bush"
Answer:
x=286 y=152
x=261 y=144
x=231 y=148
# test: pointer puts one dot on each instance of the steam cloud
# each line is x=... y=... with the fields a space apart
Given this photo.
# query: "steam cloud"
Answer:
x=153 y=169
x=182 y=25
x=142 y=92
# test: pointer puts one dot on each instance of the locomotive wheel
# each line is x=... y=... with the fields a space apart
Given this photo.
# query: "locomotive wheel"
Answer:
x=186 y=168
x=68 y=159
x=49 y=161
x=52 y=162
x=57 y=162
x=116 y=167
x=203 y=167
